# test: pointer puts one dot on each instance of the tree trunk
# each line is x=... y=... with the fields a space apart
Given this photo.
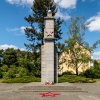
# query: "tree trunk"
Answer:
x=77 y=71
x=76 y=68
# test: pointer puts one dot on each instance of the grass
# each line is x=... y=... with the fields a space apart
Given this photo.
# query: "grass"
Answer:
x=1 y=80
x=26 y=79
x=64 y=78
x=97 y=80
x=75 y=79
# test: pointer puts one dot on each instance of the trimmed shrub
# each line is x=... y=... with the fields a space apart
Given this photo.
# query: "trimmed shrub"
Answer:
x=67 y=73
x=75 y=79
x=93 y=72
x=4 y=68
x=97 y=73
x=26 y=79
x=10 y=74
x=21 y=72
x=1 y=75
x=89 y=73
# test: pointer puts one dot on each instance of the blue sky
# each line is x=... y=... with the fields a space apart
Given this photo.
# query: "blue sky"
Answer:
x=12 y=23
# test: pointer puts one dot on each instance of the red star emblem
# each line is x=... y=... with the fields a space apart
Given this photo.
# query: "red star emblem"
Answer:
x=49 y=94
x=49 y=33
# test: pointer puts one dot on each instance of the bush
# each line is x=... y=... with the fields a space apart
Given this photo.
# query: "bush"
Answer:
x=75 y=79
x=4 y=68
x=1 y=75
x=10 y=74
x=89 y=73
x=37 y=73
x=67 y=73
x=96 y=73
x=92 y=73
x=21 y=72
x=26 y=79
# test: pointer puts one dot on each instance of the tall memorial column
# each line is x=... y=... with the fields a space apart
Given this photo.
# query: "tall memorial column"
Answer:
x=49 y=52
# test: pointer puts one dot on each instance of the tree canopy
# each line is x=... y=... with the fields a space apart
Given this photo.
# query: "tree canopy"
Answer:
x=75 y=45
x=35 y=35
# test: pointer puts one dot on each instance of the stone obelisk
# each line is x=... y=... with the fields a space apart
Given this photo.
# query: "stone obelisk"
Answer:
x=49 y=52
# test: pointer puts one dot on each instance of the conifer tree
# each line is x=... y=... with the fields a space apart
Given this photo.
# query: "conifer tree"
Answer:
x=35 y=35
x=37 y=18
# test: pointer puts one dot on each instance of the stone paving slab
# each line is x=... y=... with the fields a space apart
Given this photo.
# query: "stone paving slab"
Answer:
x=50 y=88
x=8 y=92
x=89 y=97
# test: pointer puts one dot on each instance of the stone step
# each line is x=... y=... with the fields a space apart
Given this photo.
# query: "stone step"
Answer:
x=50 y=89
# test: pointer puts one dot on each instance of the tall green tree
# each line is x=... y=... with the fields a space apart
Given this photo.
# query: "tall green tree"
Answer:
x=1 y=55
x=76 y=47
x=35 y=35
x=40 y=8
x=10 y=57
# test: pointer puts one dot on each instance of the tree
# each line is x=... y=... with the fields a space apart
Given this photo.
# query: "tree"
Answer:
x=60 y=47
x=10 y=57
x=1 y=54
x=35 y=35
x=75 y=45
x=96 y=65
x=40 y=8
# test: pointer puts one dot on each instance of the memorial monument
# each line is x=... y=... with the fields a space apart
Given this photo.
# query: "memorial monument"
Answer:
x=49 y=52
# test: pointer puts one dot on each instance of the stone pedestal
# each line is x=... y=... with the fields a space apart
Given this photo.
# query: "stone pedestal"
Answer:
x=48 y=62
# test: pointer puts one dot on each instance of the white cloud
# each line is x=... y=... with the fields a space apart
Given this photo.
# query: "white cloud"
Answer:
x=56 y=1
x=94 y=23
x=12 y=29
x=96 y=55
x=66 y=3
x=21 y=29
x=29 y=2
x=62 y=3
x=13 y=1
x=20 y=2
x=6 y=46
x=64 y=16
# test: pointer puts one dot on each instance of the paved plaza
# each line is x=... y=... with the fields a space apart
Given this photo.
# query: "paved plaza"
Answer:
x=11 y=92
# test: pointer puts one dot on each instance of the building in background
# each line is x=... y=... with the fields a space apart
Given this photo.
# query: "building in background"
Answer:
x=64 y=60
